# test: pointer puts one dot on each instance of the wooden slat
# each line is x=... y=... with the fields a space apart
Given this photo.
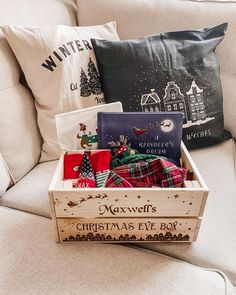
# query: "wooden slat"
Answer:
x=189 y=163
x=128 y=203
x=203 y=205
x=56 y=231
x=127 y=229
x=51 y=203
x=192 y=184
x=197 y=229
x=57 y=180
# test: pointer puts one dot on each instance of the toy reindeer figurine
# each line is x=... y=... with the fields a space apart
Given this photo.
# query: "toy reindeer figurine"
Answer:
x=125 y=154
x=122 y=148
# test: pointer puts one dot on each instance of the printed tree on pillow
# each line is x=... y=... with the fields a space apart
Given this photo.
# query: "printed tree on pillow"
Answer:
x=84 y=85
x=94 y=80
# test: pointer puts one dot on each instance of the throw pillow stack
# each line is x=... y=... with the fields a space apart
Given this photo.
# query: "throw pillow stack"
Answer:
x=176 y=71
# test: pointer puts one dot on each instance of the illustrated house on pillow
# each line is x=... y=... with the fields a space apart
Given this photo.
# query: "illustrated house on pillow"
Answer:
x=151 y=102
x=196 y=103
x=174 y=100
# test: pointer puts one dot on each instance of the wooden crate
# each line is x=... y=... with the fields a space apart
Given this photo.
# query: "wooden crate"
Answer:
x=127 y=214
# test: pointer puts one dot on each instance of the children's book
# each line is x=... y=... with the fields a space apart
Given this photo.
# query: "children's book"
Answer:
x=78 y=129
x=157 y=133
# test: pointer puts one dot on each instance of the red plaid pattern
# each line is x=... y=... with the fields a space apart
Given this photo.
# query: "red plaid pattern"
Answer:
x=114 y=180
x=171 y=175
x=139 y=172
x=157 y=172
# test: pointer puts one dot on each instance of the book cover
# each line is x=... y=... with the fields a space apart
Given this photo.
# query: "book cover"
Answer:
x=156 y=133
x=78 y=129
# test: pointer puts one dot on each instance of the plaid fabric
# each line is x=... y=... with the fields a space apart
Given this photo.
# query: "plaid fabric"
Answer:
x=139 y=172
x=157 y=172
x=116 y=161
x=114 y=180
x=171 y=175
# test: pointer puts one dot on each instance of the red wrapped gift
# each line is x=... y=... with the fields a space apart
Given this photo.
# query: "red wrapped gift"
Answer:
x=72 y=165
x=100 y=161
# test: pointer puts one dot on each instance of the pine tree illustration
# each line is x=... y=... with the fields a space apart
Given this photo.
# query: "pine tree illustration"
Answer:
x=94 y=80
x=85 y=90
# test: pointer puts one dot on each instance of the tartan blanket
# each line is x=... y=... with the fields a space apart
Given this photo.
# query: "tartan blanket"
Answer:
x=114 y=180
x=157 y=172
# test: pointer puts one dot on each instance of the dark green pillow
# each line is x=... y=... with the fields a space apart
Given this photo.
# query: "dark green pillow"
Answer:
x=176 y=71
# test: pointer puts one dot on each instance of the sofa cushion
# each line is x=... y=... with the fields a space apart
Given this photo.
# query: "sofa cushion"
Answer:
x=20 y=141
x=63 y=60
x=5 y=176
x=35 y=13
x=31 y=192
x=216 y=244
x=34 y=264
x=140 y=17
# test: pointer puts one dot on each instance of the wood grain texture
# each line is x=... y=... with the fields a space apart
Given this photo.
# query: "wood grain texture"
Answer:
x=128 y=203
x=127 y=229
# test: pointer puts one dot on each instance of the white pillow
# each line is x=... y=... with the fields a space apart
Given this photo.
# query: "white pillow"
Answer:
x=60 y=67
x=78 y=129
x=6 y=178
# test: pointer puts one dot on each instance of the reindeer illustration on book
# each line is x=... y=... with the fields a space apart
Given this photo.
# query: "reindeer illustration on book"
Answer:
x=125 y=154
x=87 y=139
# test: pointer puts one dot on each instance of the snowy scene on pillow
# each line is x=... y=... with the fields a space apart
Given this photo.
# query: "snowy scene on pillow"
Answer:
x=175 y=71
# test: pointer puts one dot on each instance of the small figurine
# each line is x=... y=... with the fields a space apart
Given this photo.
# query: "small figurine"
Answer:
x=86 y=178
x=124 y=154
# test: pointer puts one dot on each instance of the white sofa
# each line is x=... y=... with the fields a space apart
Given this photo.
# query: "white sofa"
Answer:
x=31 y=262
